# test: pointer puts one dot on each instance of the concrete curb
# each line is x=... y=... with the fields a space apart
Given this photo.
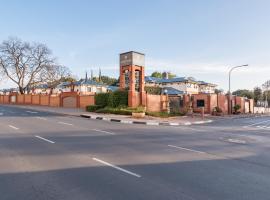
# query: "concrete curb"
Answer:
x=150 y=123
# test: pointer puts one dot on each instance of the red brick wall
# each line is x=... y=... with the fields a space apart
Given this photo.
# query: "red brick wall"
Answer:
x=134 y=99
x=20 y=99
x=86 y=101
x=6 y=99
x=213 y=102
x=223 y=103
x=44 y=100
x=156 y=103
x=55 y=101
x=206 y=99
x=240 y=101
x=1 y=99
x=27 y=98
x=35 y=99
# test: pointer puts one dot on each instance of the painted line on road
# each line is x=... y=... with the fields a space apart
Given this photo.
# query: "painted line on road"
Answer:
x=13 y=127
x=237 y=141
x=116 y=167
x=42 y=118
x=32 y=112
x=52 y=142
x=256 y=123
x=64 y=123
x=186 y=149
x=97 y=130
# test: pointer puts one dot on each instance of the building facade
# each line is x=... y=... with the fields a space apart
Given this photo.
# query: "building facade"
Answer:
x=186 y=85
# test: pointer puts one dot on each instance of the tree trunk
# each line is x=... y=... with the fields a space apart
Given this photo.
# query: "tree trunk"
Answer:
x=21 y=90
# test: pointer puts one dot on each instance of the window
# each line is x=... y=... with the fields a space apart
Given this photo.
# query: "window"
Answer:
x=200 y=103
x=89 y=89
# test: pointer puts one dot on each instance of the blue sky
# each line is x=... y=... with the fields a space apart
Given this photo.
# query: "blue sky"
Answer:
x=199 y=38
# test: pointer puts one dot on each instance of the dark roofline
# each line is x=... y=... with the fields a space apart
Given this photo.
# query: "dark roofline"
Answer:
x=133 y=52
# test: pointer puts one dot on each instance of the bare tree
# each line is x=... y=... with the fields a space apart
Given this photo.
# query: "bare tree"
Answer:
x=28 y=64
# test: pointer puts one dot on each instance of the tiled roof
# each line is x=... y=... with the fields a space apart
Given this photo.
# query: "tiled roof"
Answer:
x=112 y=88
x=80 y=82
x=42 y=86
x=172 y=91
x=150 y=79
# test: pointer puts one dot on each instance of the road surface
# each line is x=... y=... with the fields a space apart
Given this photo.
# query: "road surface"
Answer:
x=50 y=156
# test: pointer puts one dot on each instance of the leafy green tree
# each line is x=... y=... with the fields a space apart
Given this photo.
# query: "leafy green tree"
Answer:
x=156 y=74
x=244 y=93
x=171 y=75
x=266 y=95
x=258 y=95
x=218 y=91
x=106 y=80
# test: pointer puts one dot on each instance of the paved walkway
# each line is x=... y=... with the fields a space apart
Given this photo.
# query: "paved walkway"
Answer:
x=148 y=120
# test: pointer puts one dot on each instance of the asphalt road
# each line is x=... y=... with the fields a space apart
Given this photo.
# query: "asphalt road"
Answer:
x=50 y=156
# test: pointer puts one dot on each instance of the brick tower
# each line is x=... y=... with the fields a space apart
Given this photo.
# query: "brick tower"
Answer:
x=132 y=77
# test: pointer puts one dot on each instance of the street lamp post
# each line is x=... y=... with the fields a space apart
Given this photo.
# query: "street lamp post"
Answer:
x=230 y=99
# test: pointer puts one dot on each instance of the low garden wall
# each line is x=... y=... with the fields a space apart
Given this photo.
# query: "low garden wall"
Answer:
x=47 y=100
x=156 y=103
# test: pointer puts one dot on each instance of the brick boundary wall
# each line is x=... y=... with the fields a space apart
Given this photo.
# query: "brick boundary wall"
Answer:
x=48 y=100
x=219 y=100
x=154 y=103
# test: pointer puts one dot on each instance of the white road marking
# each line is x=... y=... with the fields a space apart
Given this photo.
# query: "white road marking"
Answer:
x=44 y=139
x=13 y=127
x=116 y=167
x=42 y=118
x=65 y=123
x=237 y=141
x=186 y=149
x=32 y=112
x=97 y=130
x=152 y=123
x=256 y=123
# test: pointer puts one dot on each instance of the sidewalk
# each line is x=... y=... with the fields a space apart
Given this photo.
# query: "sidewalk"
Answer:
x=148 y=120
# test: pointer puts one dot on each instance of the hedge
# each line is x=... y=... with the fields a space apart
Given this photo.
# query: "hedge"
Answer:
x=101 y=99
x=118 y=98
x=93 y=108
x=117 y=111
x=113 y=99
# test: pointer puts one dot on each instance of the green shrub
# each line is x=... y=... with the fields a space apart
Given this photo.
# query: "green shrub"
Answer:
x=113 y=99
x=217 y=109
x=101 y=99
x=120 y=110
x=158 y=114
x=118 y=99
x=164 y=114
x=117 y=111
x=139 y=109
x=236 y=108
x=93 y=108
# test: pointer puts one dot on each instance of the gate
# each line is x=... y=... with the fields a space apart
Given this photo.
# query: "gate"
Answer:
x=176 y=103
x=70 y=102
